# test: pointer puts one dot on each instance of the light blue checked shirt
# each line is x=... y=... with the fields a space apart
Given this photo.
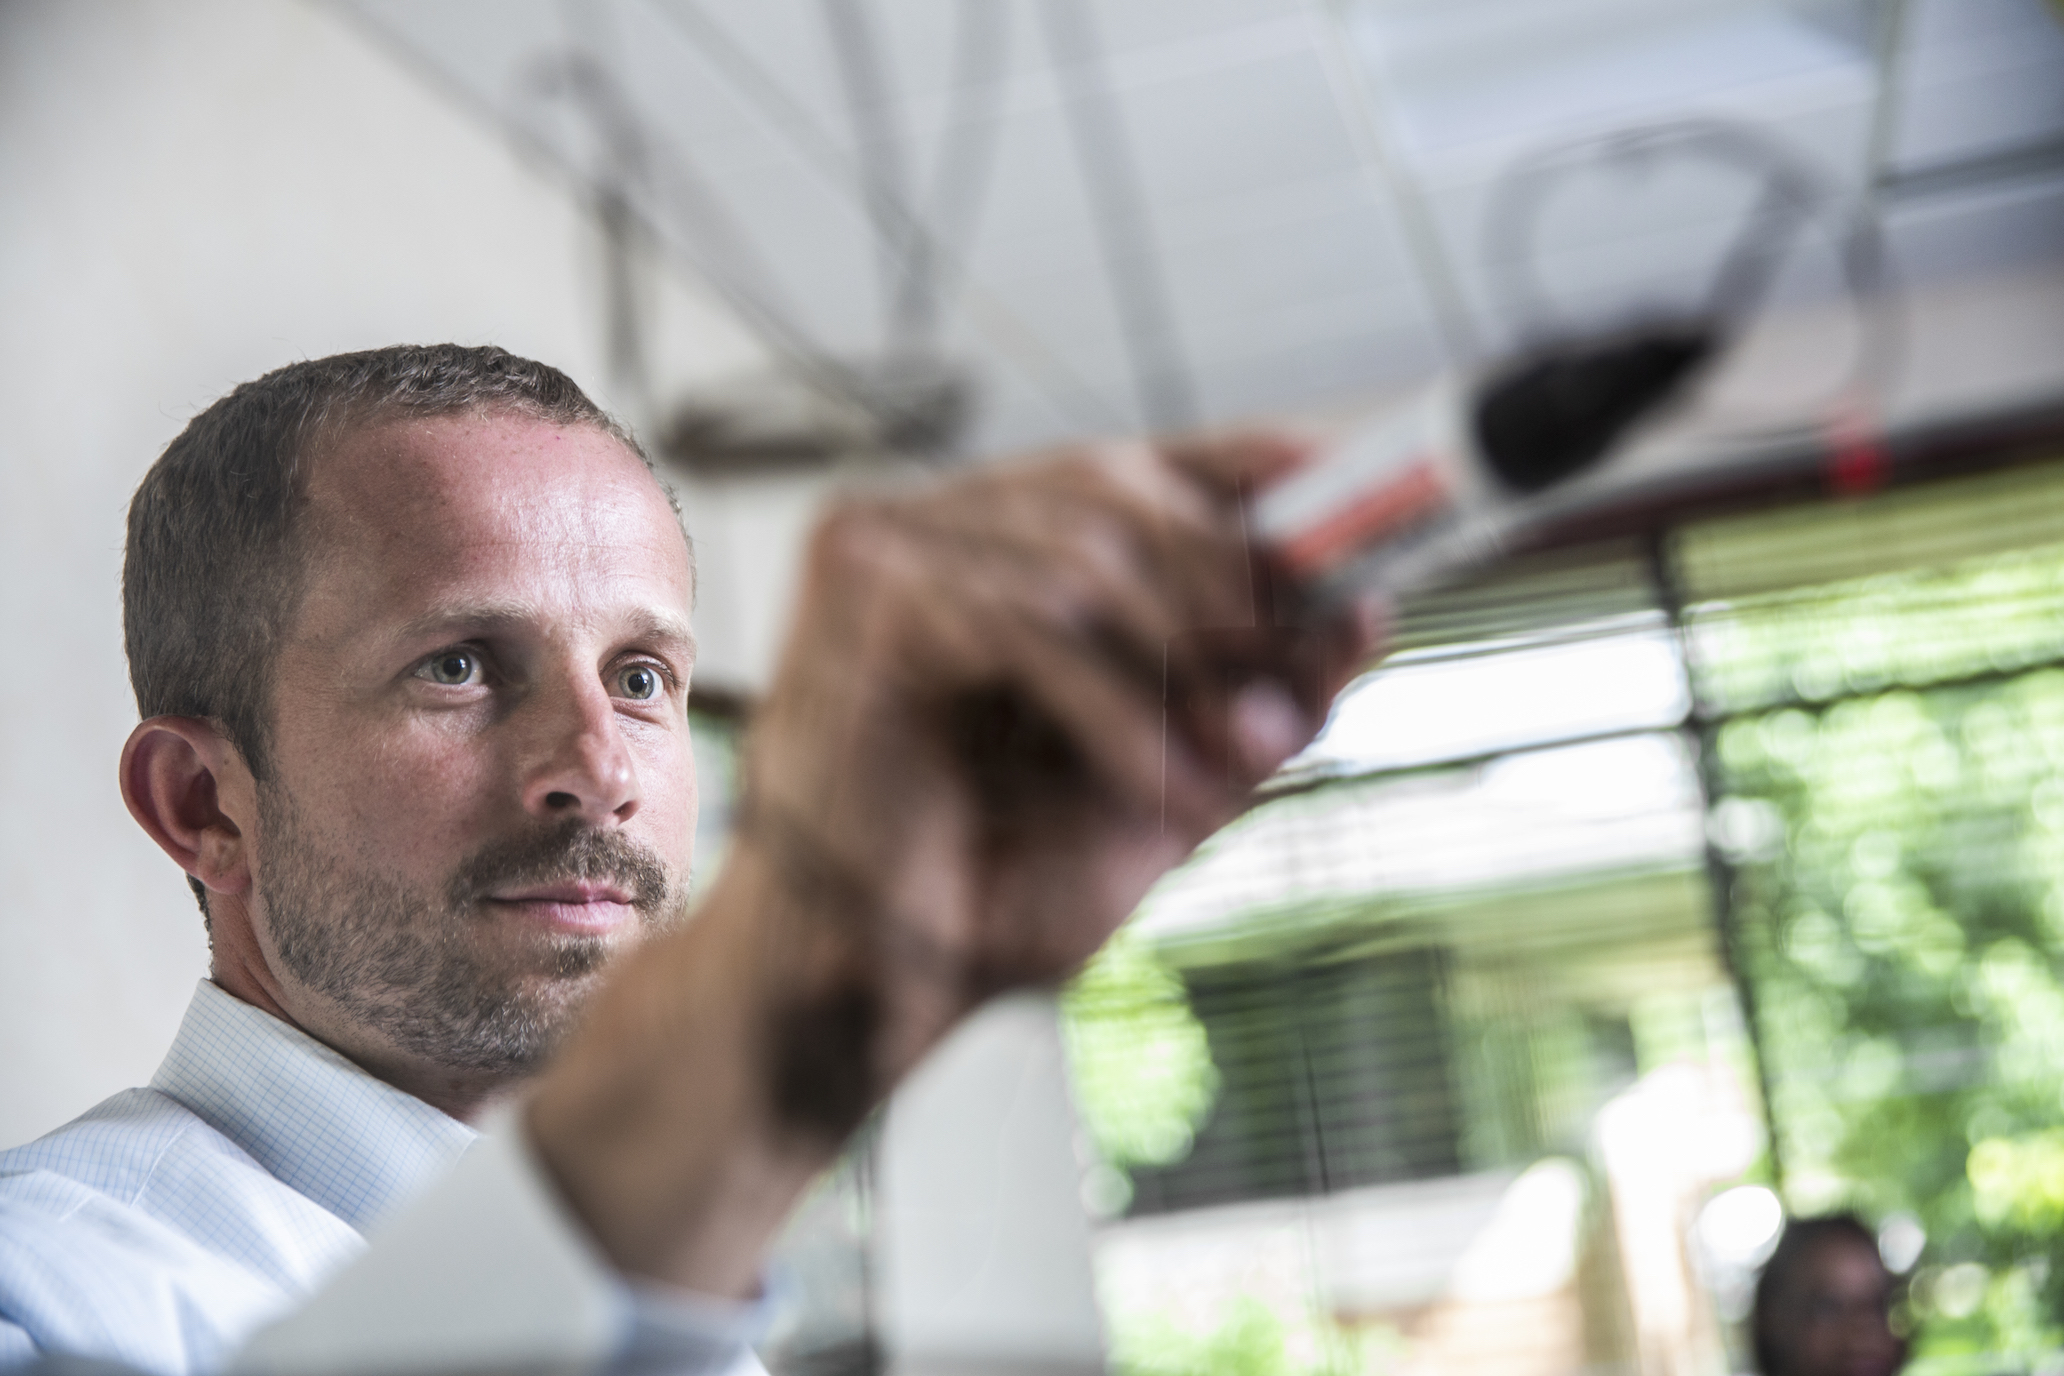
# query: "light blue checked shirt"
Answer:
x=166 y=1226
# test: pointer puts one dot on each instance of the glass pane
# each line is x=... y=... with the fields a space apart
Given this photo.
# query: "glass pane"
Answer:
x=1530 y=816
x=1425 y=708
x=1900 y=903
x=716 y=741
x=1984 y=616
x=1419 y=1068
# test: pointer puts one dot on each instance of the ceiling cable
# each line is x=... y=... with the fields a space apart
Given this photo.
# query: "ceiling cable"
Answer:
x=1364 y=112
x=594 y=91
x=966 y=156
x=884 y=178
x=1887 y=180
x=676 y=199
x=1075 y=400
x=1162 y=378
x=1889 y=98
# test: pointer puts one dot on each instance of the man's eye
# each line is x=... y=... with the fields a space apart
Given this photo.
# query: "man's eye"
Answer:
x=639 y=681
x=453 y=668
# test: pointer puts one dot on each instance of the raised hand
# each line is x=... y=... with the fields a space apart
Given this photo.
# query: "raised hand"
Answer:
x=1008 y=703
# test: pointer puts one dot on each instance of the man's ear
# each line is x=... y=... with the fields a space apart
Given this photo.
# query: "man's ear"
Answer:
x=178 y=773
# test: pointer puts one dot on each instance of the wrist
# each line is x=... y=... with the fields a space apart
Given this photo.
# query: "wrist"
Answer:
x=724 y=1065
x=652 y=1122
x=854 y=988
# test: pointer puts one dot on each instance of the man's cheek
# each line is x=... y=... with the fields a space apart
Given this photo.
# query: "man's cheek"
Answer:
x=414 y=798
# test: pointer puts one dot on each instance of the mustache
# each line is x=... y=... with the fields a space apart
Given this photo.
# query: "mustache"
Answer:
x=570 y=851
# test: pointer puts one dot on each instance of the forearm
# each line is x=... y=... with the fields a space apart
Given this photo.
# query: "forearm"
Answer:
x=991 y=732
x=721 y=1071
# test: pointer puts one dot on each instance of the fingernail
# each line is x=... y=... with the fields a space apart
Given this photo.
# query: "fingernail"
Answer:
x=1372 y=618
x=1267 y=726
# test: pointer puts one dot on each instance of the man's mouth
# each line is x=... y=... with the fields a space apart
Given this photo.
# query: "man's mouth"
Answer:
x=582 y=907
x=573 y=881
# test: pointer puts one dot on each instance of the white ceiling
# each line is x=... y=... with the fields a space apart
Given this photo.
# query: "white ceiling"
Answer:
x=1167 y=211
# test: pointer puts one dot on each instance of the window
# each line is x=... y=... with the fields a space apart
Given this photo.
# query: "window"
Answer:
x=1884 y=688
x=1435 y=1058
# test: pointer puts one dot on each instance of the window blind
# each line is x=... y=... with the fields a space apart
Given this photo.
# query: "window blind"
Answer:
x=1423 y=969
x=1884 y=683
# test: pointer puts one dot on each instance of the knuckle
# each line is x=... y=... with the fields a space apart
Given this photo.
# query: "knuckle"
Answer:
x=852 y=535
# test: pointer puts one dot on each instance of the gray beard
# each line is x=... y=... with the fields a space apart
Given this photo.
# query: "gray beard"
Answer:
x=424 y=969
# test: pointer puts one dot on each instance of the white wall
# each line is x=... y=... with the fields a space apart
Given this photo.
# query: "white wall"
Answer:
x=193 y=192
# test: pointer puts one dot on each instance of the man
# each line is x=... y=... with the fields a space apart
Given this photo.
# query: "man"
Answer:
x=410 y=635
x=1824 y=1303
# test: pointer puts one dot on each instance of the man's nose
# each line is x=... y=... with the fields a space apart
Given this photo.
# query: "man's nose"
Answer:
x=580 y=765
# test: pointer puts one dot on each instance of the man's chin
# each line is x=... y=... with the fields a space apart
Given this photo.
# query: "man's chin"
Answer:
x=516 y=1022
x=560 y=969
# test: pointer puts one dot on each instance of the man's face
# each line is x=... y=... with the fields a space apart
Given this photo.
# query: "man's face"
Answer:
x=1835 y=1321
x=482 y=786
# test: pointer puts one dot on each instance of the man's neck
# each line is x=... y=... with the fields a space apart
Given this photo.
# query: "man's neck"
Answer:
x=467 y=1095
x=240 y=969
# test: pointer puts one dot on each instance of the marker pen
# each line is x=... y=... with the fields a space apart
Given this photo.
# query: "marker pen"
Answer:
x=1435 y=488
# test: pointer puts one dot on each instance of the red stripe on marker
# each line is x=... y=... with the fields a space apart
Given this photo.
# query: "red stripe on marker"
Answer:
x=1374 y=516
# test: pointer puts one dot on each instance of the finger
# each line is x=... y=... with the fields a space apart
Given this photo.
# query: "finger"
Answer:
x=1267 y=726
x=1109 y=711
x=1098 y=559
x=1129 y=493
x=1261 y=696
x=1232 y=706
x=1067 y=590
x=1106 y=680
x=1146 y=630
x=1360 y=637
x=1139 y=631
x=1238 y=462
x=1084 y=573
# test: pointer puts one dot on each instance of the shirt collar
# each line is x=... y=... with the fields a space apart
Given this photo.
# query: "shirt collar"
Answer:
x=325 y=1128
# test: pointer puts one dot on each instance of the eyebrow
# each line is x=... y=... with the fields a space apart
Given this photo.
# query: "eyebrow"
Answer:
x=640 y=623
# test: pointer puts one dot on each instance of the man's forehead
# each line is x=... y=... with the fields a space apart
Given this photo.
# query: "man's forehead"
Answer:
x=396 y=468
x=442 y=497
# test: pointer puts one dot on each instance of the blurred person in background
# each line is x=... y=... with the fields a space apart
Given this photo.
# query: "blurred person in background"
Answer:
x=1823 y=1304
x=410 y=633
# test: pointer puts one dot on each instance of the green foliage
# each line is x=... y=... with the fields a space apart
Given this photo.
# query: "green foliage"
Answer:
x=2002 y=612
x=2018 y=1182
x=1905 y=934
x=1251 y=1339
x=1140 y=1063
